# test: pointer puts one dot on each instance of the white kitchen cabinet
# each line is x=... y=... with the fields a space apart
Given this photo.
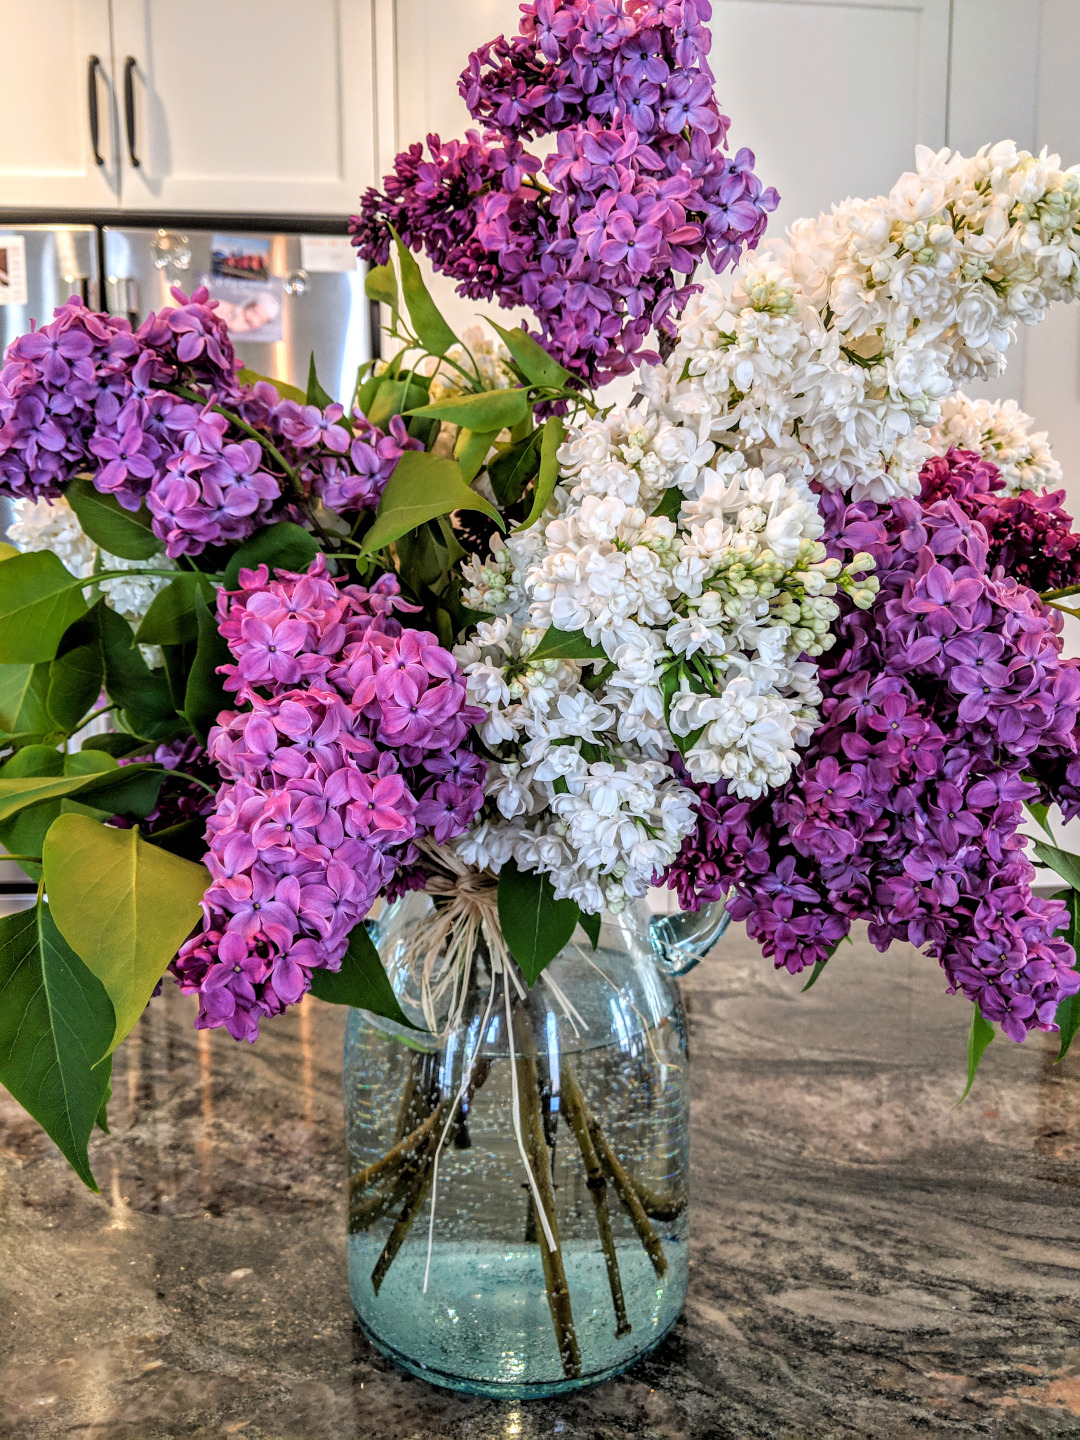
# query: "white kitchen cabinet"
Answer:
x=259 y=106
x=47 y=88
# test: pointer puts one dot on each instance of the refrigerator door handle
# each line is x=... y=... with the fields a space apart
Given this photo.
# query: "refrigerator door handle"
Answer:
x=92 y=67
x=129 y=109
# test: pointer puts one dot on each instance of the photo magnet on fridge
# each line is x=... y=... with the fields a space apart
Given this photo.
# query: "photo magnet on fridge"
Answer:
x=239 y=257
x=13 y=289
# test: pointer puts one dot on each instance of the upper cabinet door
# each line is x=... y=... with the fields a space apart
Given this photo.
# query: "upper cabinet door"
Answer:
x=265 y=105
x=51 y=95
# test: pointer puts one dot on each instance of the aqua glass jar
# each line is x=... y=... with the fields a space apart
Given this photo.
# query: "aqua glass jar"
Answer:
x=518 y=1211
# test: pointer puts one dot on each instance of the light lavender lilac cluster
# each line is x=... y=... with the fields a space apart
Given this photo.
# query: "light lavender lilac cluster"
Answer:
x=639 y=188
x=939 y=701
x=153 y=416
x=355 y=744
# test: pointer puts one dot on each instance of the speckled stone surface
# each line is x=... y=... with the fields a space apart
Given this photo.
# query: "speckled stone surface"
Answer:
x=867 y=1260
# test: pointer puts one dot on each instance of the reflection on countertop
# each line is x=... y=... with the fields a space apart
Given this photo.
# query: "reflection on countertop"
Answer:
x=867 y=1261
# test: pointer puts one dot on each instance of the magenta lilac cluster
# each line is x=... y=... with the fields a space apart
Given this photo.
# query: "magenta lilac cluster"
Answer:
x=152 y=416
x=353 y=746
x=905 y=809
x=638 y=191
x=1029 y=535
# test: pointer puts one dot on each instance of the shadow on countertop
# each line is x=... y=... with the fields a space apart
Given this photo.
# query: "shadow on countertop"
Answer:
x=867 y=1260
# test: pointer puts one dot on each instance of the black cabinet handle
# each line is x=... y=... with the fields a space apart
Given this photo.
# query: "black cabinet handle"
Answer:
x=92 y=67
x=129 y=109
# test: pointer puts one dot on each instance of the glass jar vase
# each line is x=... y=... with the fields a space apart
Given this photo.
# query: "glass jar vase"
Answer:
x=518 y=1182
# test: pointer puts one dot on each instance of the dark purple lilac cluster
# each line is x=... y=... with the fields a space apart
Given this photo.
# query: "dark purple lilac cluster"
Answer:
x=1029 y=535
x=153 y=415
x=905 y=809
x=638 y=190
x=354 y=746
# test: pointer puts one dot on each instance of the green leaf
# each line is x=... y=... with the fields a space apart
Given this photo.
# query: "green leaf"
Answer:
x=7 y=551
x=101 y=1119
x=532 y=359
x=554 y=434
x=316 y=395
x=171 y=619
x=114 y=744
x=591 y=925
x=283 y=546
x=114 y=790
x=75 y=681
x=470 y=452
x=380 y=283
x=33 y=761
x=491 y=410
x=511 y=470
x=819 y=965
x=184 y=839
x=39 y=599
x=142 y=694
x=421 y=488
x=431 y=329
x=123 y=905
x=979 y=1037
x=1067 y=1015
x=55 y=1025
x=566 y=645
x=361 y=981
x=121 y=532
x=1039 y=813
x=535 y=925
x=23 y=699
x=670 y=504
x=283 y=388
x=392 y=397
x=206 y=695
x=1066 y=865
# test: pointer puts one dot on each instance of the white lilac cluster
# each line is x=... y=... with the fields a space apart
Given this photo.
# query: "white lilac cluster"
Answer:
x=703 y=625
x=682 y=541
x=53 y=525
x=830 y=353
x=1001 y=432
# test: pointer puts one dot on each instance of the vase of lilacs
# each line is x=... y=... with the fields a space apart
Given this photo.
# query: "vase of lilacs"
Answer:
x=482 y=650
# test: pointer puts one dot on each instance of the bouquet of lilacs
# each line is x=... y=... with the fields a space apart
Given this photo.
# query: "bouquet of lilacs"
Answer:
x=784 y=631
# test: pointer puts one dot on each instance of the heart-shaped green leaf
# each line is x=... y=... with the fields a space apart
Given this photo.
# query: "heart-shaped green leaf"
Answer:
x=56 y=1023
x=566 y=645
x=534 y=924
x=171 y=618
x=121 y=532
x=554 y=435
x=23 y=699
x=283 y=546
x=123 y=905
x=361 y=981
x=39 y=599
x=206 y=696
x=532 y=359
x=492 y=410
x=421 y=488
x=431 y=329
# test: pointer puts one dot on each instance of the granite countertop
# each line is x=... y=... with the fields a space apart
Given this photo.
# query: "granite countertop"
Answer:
x=867 y=1260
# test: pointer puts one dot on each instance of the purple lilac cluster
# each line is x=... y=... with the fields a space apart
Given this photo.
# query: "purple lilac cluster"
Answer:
x=1029 y=535
x=638 y=190
x=905 y=809
x=153 y=416
x=354 y=746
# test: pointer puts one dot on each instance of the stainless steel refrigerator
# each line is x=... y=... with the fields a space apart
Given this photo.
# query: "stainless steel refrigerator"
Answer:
x=285 y=296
